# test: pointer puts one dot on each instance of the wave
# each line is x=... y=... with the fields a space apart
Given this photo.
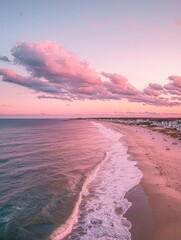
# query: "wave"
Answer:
x=101 y=205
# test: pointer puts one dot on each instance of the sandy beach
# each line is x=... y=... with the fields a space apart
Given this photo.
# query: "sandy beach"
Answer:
x=158 y=157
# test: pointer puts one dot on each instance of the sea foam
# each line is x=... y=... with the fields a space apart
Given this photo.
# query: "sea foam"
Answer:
x=99 y=211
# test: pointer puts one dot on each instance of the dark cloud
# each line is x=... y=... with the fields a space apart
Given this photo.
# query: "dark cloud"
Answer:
x=4 y=59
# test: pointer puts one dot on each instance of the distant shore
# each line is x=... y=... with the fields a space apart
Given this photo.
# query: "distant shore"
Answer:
x=159 y=158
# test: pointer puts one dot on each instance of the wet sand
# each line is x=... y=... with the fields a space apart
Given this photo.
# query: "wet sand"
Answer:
x=159 y=158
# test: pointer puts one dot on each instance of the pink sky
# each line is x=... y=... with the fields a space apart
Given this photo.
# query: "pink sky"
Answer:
x=55 y=75
x=112 y=62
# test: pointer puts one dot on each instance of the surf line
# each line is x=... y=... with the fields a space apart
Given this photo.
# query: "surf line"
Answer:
x=69 y=224
x=67 y=227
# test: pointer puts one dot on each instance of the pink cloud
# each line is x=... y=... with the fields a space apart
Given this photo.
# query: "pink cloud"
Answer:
x=52 y=61
x=115 y=78
x=150 y=92
x=33 y=83
x=174 y=86
x=152 y=100
x=176 y=81
x=118 y=84
x=55 y=72
x=152 y=95
x=154 y=89
x=155 y=86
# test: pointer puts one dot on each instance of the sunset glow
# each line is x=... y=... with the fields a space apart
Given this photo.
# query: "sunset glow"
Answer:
x=90 y=58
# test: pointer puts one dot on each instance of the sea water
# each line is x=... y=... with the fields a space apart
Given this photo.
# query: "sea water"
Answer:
x=64 y=179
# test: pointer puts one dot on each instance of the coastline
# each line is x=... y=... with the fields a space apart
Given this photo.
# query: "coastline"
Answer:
x=158 y=157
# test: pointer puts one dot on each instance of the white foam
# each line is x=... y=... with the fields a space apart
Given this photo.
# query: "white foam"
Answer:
x=101 y=215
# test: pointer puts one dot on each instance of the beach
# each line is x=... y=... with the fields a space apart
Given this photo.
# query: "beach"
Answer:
x=110 y=181
x=158 y=156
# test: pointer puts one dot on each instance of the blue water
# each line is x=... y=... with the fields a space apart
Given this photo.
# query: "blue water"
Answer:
x=43 y=166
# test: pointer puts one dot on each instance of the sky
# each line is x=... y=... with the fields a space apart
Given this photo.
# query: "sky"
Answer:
x=79 y=58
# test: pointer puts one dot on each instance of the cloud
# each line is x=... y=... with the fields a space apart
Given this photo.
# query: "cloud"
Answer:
x=56 y=73
x=54 y=97
x=118 y=84
x=176 y=81
x=152 y=94
x=143 y=113
x=174 y=86
x=156 y=86
x=33 y=83
x=52 y=61
x=116 y=78
x=153 y=90
x=153 y=100
x=4 y=59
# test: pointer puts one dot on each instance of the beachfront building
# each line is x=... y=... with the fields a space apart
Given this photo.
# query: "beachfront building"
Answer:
x=172 y=124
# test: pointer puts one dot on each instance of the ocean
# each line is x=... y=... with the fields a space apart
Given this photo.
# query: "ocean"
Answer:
x=64 y=179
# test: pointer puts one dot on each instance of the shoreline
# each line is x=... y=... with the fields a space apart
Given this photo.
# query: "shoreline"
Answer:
x=142 y=228
x=158 y=157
